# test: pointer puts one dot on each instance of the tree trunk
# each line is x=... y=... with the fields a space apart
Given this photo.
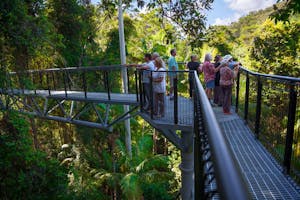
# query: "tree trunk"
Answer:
x=34 y=133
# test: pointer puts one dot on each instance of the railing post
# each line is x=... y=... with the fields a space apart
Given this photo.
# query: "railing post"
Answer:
x=21 y=82
x=11 y=84
x=151 y=95
x=128 y=84
x=141 y=90
x=8 y=82
x=107 y=84
x=175 y=101
x=69 y=80
x=246 y=98
x=65 y=84
x=41 y=79
x=33 y=82
x=136 y=85
x=237 y=92
x=84 y=84
x=48 y=85
x=53 y=79
x=290 y=129
x=258 y=107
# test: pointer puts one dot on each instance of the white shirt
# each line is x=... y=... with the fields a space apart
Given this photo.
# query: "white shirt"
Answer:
x=146 y=73
x=159 y=87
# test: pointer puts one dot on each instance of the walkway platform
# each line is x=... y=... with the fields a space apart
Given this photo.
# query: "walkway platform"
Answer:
x=263 y=174
x=185 y=115
x=96 y=97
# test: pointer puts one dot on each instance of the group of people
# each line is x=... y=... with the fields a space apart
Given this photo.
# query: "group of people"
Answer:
x=155 y=68
x=218 y=77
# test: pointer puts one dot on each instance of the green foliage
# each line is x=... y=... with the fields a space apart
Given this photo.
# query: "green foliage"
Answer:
x=133 y=177
x=285 y=9
x=25 y=32
x=262 y=44
x=25 y=173
x=218 y=38
x=74 y=21
x=112 y=53
x=276 y=48
x=187 y=15
x=39 y=34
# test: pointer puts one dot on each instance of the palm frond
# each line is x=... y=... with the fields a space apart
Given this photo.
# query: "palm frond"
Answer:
x=159 y=162
x=130 y=186
x=107 y=159
x=144 y=146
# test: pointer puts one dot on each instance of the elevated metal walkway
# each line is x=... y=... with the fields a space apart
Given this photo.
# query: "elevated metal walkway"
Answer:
x=263 y=175
x=221 y=157
x=97 y=97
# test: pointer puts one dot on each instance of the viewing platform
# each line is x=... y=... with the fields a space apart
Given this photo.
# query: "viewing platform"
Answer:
x=237 y=156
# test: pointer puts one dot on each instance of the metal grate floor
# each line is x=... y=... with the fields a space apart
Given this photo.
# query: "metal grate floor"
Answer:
x=262 y=173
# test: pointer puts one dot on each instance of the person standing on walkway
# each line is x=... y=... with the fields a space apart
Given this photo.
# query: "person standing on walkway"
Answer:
x=193 y=65
x=209 y=76
x=226 y=81
x=231 y=64
x=159 y=87
x=173 y=66
x=147 y=67
x=218 y=97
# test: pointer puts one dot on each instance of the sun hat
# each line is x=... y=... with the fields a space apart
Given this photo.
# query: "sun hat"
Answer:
x=227 y=57
x=224 y=61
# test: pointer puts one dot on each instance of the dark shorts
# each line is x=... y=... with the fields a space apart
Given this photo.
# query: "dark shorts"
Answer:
x=171 y=78
x=210 y=84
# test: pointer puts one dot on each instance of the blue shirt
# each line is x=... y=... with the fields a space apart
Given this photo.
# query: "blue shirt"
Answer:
x=231 y=64
x=171 y=64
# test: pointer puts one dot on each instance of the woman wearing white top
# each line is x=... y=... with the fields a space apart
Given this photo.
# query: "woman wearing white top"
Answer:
x=159 y=87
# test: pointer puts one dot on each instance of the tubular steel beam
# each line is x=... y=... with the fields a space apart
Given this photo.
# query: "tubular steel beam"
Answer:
x=228 y=175
x=21 y=104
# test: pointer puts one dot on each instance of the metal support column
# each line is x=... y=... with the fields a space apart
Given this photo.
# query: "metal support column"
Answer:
x=187 y=166
x=124 y=75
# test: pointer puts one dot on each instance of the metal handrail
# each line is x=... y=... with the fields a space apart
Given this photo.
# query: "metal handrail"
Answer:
x=89 y=68
x=271 y=76
x=227 y=173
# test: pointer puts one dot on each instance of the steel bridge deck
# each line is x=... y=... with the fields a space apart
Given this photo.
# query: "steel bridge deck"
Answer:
x=264 y=176
x=102 y=97
x=262 y=173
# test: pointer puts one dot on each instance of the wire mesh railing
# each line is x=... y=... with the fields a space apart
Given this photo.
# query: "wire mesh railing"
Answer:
x=66 y=81
x=270 y=105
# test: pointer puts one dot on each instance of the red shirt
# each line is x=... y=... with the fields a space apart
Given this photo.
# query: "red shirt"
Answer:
x=209 y=71
x=226 y=76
